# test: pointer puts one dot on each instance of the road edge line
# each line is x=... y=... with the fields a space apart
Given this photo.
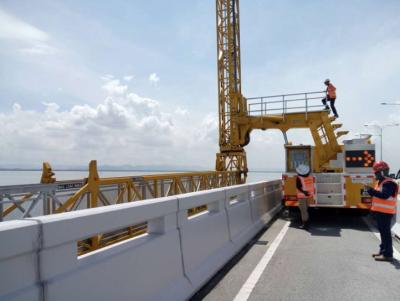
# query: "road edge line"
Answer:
x=248 y=286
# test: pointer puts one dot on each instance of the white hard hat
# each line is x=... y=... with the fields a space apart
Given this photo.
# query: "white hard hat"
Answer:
x=303 y=169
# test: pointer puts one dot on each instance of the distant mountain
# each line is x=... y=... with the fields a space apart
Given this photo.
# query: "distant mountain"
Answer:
x=126 y=167
x=151 y=168
x=108 y=167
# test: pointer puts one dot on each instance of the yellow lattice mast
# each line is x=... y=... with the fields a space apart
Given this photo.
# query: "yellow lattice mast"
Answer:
x=232 y=104
x=236 y=122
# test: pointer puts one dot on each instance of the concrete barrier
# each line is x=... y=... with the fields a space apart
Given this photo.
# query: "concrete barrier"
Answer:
x=142 y=268
x=266 y=201
x=177 y=255
x=241 y=225
x=205 y=240
x=19 y=260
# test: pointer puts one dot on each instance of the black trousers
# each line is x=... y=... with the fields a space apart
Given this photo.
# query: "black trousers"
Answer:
x=332 y=102
x=384 y=226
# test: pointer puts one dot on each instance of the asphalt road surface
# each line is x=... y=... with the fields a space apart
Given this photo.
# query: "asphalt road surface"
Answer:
x=329 y=261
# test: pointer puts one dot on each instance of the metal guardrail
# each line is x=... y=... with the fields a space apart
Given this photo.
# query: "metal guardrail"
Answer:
x=286 y=103
x=24 y=201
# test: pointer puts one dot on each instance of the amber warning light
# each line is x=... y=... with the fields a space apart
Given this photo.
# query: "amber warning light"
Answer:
x=360 y=158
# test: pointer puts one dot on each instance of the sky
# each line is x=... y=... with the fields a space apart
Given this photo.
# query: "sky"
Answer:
x=135 y=82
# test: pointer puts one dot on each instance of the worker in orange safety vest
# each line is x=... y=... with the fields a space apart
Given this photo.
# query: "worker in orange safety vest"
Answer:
x=305 y=192
x=330 y=96
x=384 y=204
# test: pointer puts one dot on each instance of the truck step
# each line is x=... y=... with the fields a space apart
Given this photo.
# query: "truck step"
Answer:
x=329 y=188
x=341 y=133
x=338 y=162
x=331 y=178
x=337 y=125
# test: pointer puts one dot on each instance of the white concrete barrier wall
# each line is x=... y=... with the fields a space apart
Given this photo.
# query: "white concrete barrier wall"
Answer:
x=38 y=257
x=263 y=197
x=206 y=245
x=137 y=269
x=238 y=208
x=19 y=260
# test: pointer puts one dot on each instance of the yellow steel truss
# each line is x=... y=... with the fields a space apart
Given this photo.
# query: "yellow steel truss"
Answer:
x=232 y=104
x=145 y=187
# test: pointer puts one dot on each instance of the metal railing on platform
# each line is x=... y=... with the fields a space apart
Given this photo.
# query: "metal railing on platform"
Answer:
x=286 y=103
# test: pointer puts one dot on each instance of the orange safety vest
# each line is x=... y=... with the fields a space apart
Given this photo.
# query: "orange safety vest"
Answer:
x=307 y=184
x=385 y=205
x=331 y=91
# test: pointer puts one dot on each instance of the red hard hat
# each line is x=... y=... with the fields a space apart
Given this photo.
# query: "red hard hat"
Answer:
x=380 y=165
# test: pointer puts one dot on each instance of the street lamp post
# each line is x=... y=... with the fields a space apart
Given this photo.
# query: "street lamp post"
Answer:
x=381 y=127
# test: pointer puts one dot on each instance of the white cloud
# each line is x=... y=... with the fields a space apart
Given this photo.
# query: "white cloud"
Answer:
x=86 y=132
x=39 y=48
x=124 y=129
x=51 y=107
x=12 y=28
x=107 y=77
x=27 y=38
x=153 y=78
x=208 y=129
x=128 y=78
x=114 y=87
x=16 y=107
x=181 y=111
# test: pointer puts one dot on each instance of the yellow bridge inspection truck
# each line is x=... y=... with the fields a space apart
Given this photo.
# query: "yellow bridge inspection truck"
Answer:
x=339 y=182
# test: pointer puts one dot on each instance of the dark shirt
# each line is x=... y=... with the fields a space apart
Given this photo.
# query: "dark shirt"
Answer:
x=388 y=190
x=299 y=186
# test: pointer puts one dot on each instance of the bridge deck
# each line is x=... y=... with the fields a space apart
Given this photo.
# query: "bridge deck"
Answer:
x=330 y=261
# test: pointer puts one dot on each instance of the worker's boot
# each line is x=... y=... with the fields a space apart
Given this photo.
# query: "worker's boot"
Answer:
x=304 y=225
x=383 y=258
x=327 y=108
x=376 y=255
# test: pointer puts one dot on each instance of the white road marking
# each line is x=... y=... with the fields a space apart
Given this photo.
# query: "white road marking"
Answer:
x=251 y=282
x=396 y=253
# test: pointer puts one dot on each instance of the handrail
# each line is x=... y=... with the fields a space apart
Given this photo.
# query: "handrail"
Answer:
x=280 y=95
x=285 y=103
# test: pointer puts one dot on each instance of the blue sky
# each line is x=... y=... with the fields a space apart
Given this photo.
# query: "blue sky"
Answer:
x=134 y=82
